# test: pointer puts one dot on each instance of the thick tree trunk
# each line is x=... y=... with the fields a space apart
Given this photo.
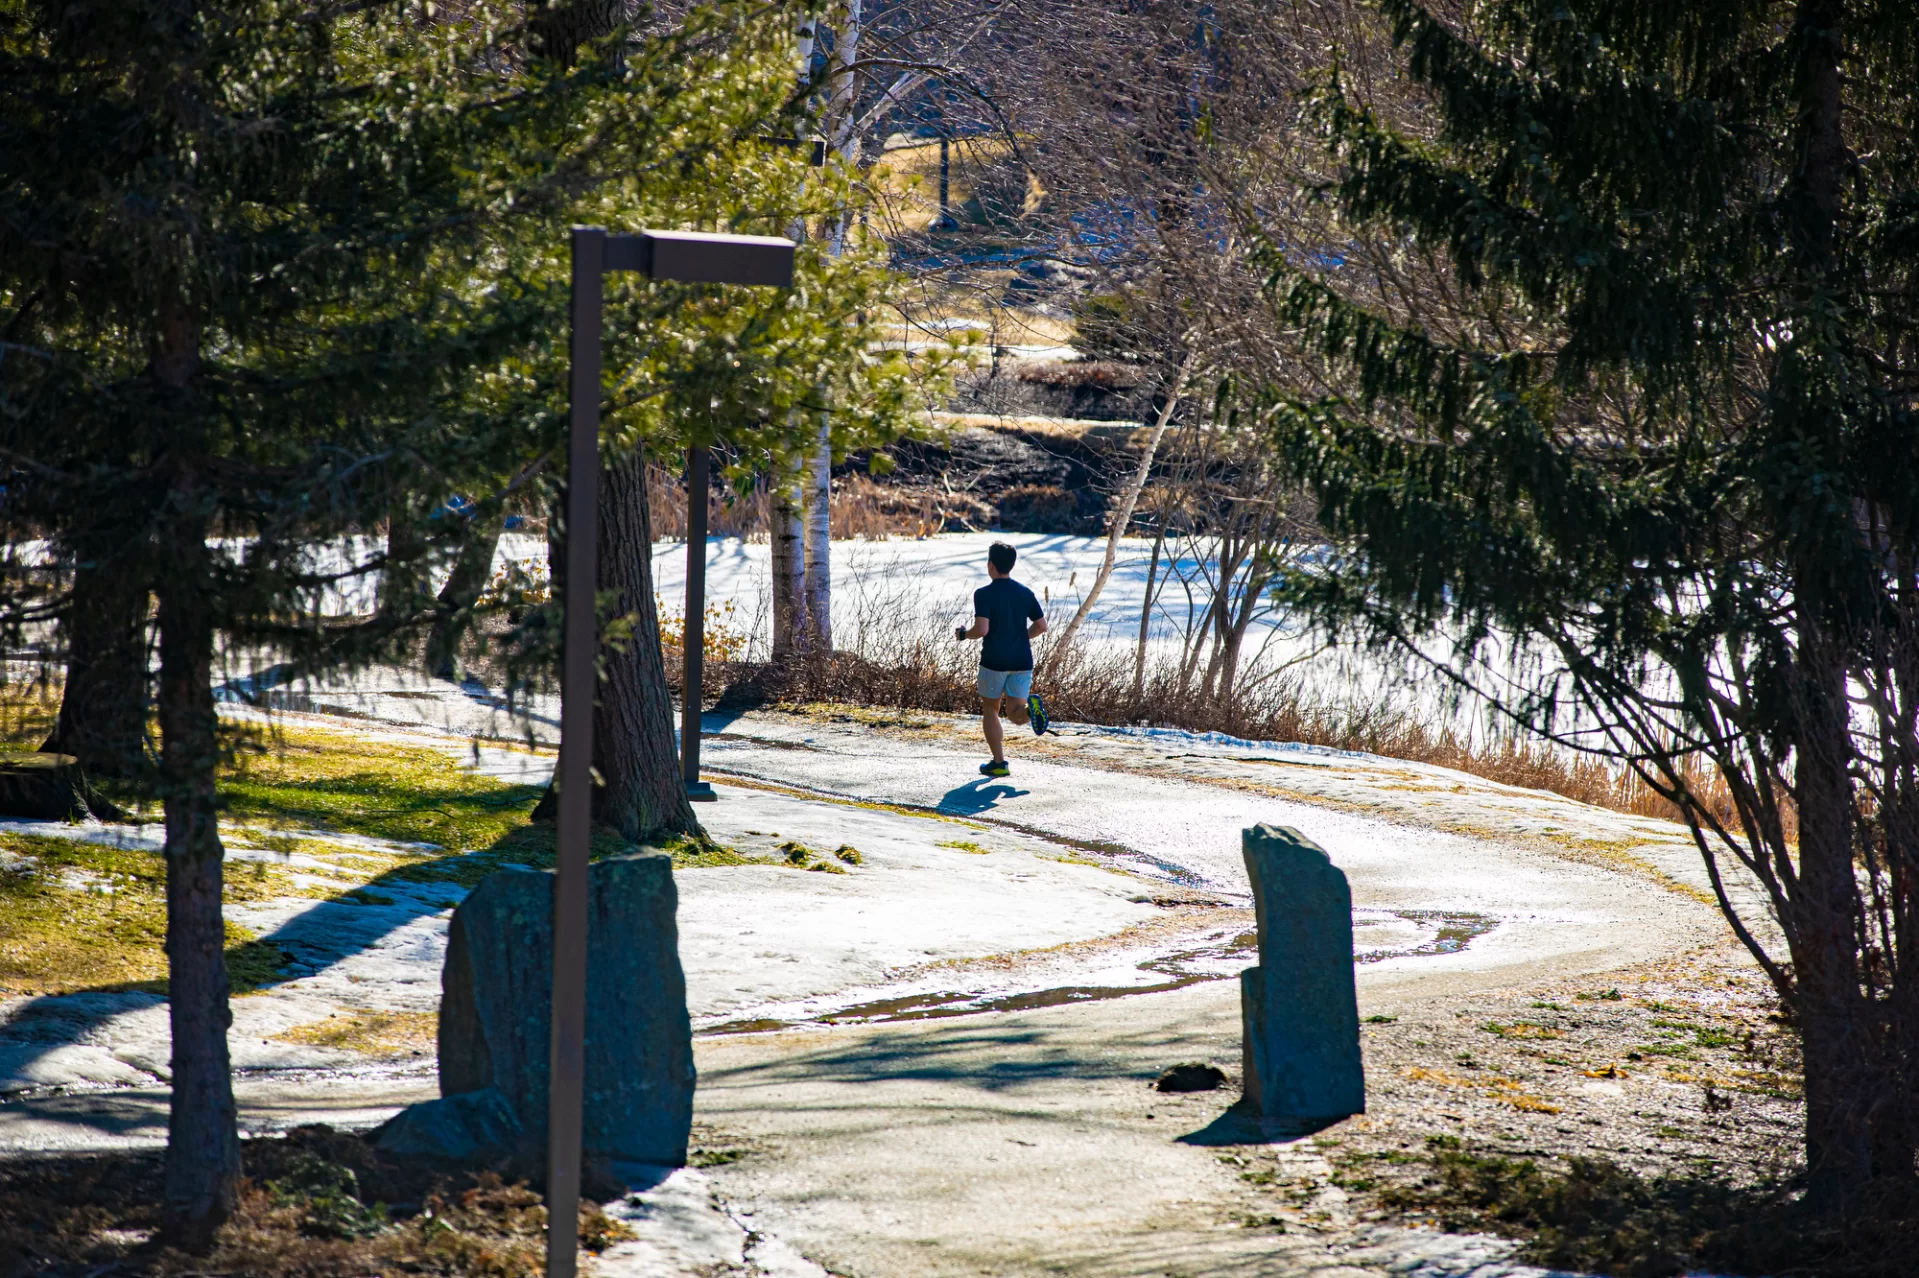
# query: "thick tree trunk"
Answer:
x=819 y=544
x=453 y=611
x=641 y=793
x=103 y=708
x=559 y=30
x=1853 y=1091
x=403 y=582
x=1843 y=1089
x=789 y=566
x=203 y=1147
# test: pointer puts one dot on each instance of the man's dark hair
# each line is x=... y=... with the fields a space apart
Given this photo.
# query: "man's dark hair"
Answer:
x=1002 y=556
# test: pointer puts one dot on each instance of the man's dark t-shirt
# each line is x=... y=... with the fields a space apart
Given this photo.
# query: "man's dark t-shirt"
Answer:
x=1007 y=607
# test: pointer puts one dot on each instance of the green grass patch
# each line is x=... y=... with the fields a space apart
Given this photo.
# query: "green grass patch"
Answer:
x=1522 y=1029
x=379 y=789
x=77 y=915
x=702 y=851
x=715 y=1157
x=962 y=845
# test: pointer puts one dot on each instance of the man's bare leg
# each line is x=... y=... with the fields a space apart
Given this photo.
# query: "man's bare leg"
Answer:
x=1014 y=708
x=990 y=725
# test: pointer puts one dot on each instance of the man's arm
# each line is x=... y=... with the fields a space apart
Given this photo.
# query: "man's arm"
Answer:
x=1037 y=629
x=977 y=632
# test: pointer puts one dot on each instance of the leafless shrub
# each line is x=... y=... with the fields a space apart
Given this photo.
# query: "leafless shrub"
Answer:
x=912 y=664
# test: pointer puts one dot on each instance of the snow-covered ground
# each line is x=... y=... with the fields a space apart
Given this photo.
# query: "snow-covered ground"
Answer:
x=927 y=581
x=885 y=592
x=1105 y=866
x=1108 y=861
x=889 y=594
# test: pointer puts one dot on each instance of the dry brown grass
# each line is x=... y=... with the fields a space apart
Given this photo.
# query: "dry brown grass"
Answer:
x=373 y=1033
x=318 y=1203
x=911 y=672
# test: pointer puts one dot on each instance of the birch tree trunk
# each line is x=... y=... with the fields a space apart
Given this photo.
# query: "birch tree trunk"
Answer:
x=1146 y=609
x=1124 y=515
x=789 y=564
x=786 y=531
x=816 y=633
x=818 y=568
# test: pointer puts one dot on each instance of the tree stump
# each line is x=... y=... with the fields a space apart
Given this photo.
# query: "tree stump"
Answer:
x=44 y=787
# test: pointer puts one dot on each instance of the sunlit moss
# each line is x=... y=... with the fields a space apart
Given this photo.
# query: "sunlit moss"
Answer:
x=383 y=790
x=77 y=916
x=372 y=1033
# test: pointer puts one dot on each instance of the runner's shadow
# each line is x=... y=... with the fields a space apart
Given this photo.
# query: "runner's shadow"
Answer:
x=978 y=796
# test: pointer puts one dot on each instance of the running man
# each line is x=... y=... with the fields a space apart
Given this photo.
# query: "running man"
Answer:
x=1002 y=609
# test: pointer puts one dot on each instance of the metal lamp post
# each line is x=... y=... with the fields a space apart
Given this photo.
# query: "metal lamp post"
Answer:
x=662 y=255
x=693 y=636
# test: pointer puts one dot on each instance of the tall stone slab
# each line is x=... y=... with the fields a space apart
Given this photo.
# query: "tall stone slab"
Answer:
x=1299 y=1007
x=496 y=1005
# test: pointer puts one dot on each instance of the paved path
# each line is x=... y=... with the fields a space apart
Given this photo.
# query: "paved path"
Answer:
x=1185 y=829
x=1028 y=1142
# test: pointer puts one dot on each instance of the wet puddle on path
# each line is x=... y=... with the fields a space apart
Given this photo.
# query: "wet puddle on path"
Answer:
x=1377 y=935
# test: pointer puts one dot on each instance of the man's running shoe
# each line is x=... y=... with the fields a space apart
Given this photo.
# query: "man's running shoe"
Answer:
x=995 y=768
x=1037 y=710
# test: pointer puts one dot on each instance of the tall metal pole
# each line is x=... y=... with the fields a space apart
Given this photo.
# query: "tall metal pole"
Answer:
x=691 y=257
x=695 y=631
x=567 y=1060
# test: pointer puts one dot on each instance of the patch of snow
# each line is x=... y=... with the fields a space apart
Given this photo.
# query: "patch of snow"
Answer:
x=684 y=1228
x=90 y=831
x=1182 y=736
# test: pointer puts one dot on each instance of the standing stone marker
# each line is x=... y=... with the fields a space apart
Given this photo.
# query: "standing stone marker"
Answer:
x=1299 y=1007
x=495 y=1021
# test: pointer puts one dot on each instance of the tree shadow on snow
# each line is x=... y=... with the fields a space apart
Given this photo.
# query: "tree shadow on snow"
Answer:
x=328 y=932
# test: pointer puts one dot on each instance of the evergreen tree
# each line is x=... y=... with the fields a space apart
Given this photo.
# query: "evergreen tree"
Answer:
x=273 y=275
x=1642 y=466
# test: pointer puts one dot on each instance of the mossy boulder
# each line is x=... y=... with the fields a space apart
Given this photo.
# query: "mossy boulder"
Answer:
x=1300 y=1006
x=496 y=1005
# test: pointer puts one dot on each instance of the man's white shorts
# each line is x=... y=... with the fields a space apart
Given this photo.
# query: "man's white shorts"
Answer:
x=1005 y=683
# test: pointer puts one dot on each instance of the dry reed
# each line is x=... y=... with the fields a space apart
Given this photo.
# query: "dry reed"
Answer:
x=900 y=667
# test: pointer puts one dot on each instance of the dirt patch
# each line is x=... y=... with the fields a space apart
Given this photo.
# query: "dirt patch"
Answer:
x=1641 y=1124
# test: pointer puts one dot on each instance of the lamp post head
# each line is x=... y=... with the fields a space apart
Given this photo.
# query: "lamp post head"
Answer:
x=695 y=257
